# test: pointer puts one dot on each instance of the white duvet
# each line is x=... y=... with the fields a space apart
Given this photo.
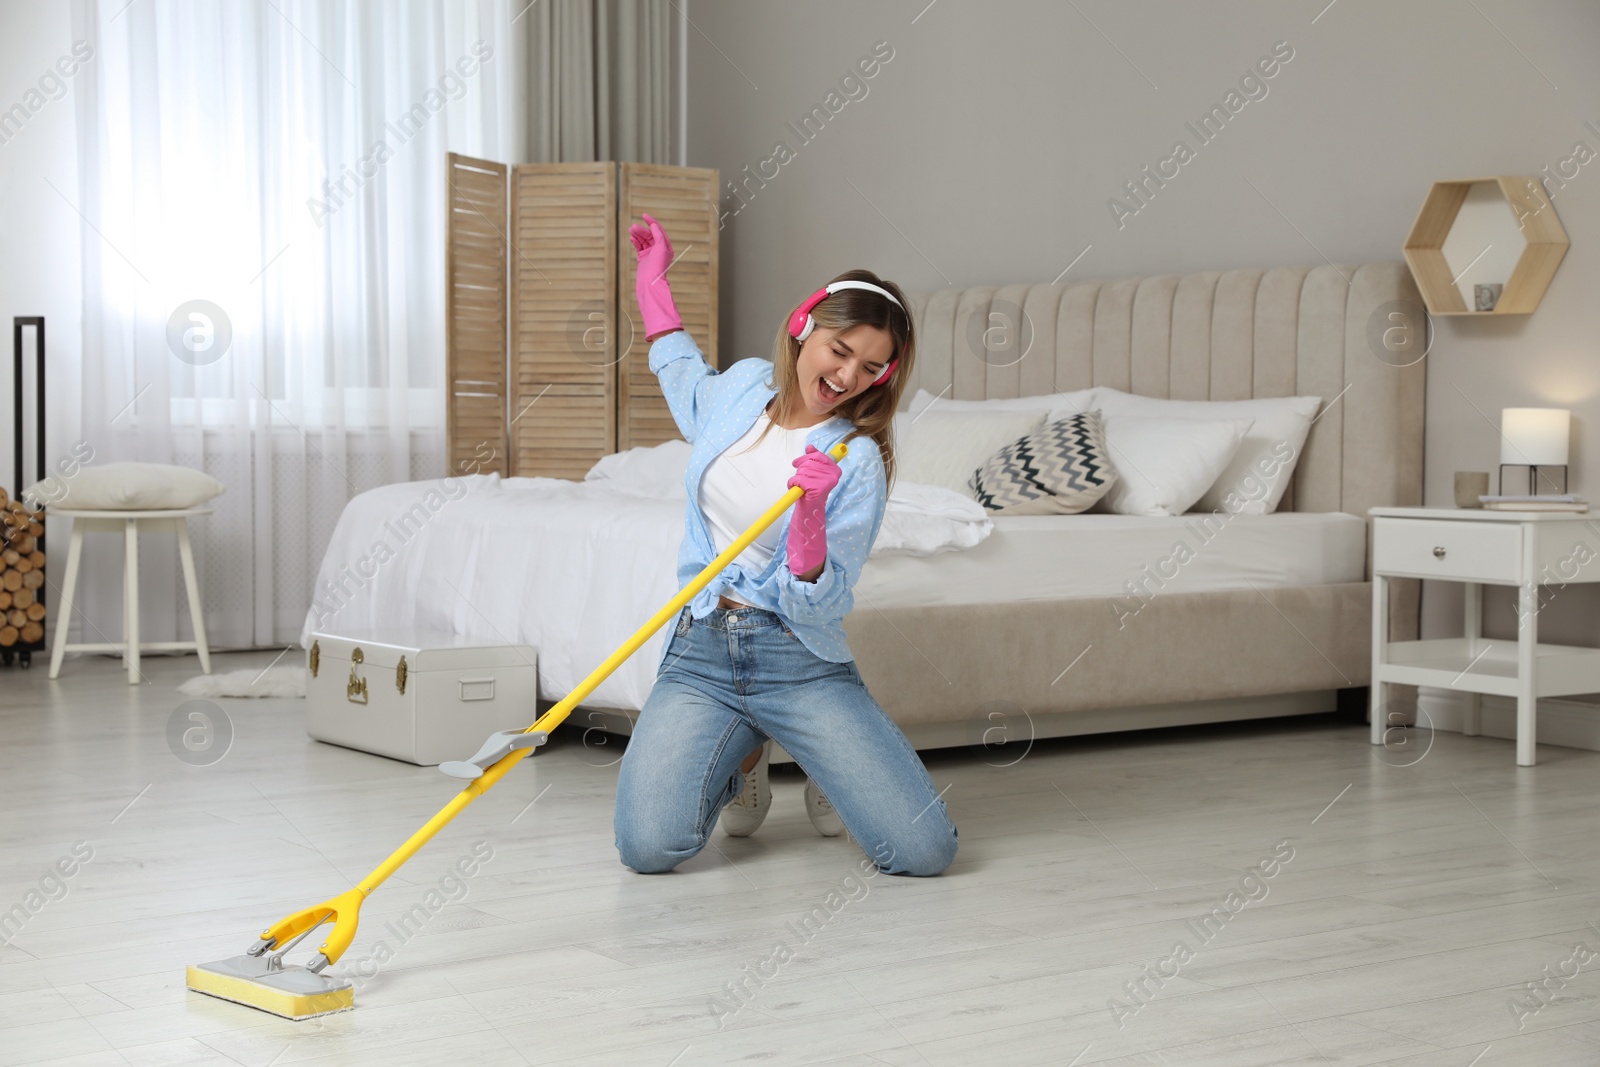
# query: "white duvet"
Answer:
x=570 y=568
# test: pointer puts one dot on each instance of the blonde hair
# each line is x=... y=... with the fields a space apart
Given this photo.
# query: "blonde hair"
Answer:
x=871 y=412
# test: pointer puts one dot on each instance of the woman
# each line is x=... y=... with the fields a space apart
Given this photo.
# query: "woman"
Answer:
x=760 y=653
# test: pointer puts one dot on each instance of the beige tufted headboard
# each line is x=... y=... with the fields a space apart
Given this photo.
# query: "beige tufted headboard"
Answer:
x=1354 y=335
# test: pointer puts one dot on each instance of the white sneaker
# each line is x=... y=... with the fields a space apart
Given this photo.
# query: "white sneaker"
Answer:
x=746 y=812
x=821 y=813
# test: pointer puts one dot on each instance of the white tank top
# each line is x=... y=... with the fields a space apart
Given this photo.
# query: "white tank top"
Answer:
x=741 y=483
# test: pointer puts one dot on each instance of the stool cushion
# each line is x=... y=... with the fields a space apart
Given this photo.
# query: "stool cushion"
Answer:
x=127 y=487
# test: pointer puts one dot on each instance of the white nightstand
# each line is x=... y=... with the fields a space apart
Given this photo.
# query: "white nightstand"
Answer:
x=1523 y=549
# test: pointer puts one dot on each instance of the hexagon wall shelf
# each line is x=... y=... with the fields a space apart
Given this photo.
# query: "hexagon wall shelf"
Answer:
x=1475 y=231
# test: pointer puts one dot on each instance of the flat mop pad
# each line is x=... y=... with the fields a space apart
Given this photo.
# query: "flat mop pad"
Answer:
x=260 y=982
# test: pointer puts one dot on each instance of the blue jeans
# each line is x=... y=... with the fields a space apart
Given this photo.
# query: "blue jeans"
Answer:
x=729 y=682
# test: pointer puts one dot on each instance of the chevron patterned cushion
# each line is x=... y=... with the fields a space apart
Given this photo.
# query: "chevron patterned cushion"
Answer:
x=1059 y=469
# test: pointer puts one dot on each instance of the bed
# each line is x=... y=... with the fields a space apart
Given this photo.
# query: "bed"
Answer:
x=977 y=630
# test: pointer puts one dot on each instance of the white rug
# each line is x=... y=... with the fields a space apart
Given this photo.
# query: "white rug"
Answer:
x=274 y=682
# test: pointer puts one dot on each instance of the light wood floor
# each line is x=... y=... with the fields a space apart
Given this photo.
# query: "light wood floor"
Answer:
x=1419 y=901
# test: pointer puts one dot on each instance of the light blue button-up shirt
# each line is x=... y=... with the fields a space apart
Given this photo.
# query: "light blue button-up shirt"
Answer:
x=713 y=410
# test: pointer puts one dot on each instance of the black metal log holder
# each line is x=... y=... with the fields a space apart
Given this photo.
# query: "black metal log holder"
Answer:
x=23 y=650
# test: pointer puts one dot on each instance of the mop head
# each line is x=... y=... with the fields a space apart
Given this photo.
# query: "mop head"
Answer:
x=291 y=992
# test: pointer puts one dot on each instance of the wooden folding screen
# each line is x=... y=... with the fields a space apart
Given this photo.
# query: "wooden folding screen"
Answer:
x=577 y=384
x=475 y=317
x=563 y=291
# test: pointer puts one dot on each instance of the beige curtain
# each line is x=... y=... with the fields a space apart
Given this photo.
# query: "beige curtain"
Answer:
x=599 y=81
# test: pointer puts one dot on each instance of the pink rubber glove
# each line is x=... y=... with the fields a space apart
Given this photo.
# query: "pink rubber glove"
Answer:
x=650 y=282
x=816 y=473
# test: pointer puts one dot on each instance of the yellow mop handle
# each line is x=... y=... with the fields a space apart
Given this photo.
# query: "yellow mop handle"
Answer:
x=345 y=906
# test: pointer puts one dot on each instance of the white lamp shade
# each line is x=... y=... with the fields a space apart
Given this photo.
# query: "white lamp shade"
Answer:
x=1534 y=437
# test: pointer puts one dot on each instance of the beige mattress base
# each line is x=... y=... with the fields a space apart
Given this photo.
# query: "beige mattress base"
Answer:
x=955 y=675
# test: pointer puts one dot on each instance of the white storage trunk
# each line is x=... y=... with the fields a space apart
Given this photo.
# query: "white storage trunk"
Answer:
x=420 y=696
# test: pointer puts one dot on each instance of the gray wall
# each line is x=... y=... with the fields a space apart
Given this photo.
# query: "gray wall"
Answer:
x=985 y=152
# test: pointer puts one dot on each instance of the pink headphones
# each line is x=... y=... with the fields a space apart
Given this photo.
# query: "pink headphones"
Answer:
x=801 y=322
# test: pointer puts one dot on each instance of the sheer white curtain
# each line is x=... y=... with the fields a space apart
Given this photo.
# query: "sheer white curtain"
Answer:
x=262 y=183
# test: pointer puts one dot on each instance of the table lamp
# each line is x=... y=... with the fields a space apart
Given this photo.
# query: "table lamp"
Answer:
x=1534 y=438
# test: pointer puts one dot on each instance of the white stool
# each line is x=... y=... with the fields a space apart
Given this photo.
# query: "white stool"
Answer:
x=130 y=523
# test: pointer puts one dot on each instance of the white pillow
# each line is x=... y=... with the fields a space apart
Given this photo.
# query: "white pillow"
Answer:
x=1072 y=403
x=1259 y=472
x=654 y=472
x=921 y=520
x=945 y=447
x=127 y=487
x=1165 y=464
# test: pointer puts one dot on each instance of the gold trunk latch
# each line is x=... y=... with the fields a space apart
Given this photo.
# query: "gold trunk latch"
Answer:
x=400 y=676
x=316 y=656
x=357 y=686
